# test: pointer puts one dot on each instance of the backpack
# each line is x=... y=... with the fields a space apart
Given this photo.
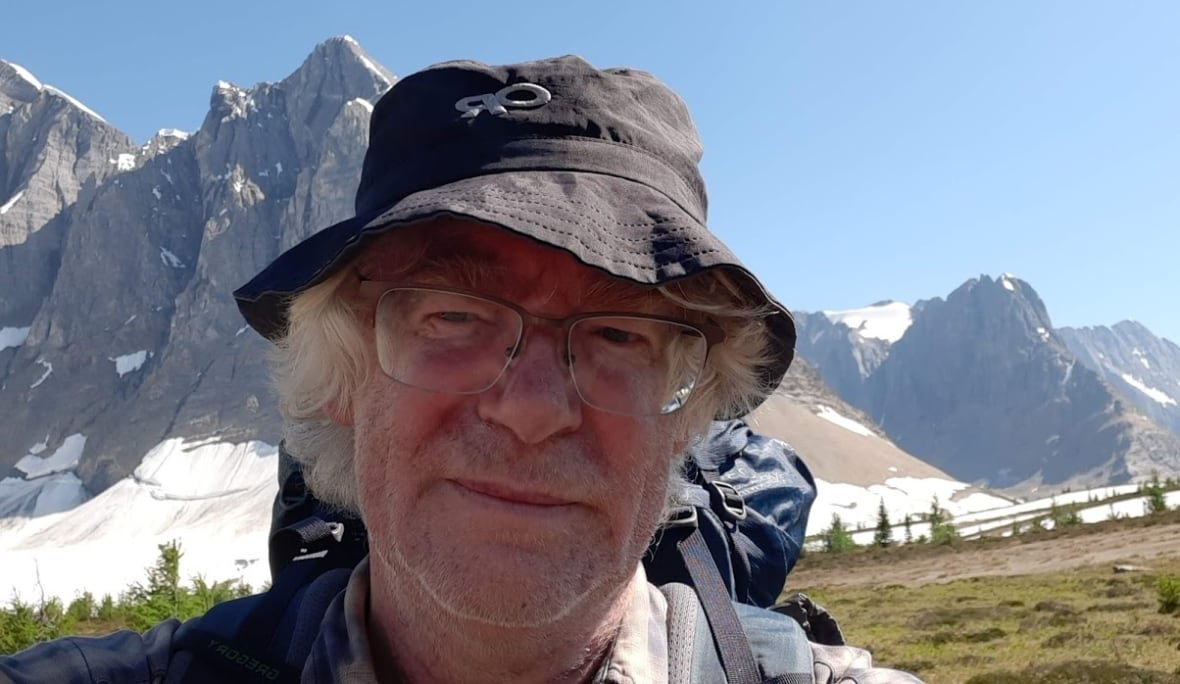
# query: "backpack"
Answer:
x=724 y=552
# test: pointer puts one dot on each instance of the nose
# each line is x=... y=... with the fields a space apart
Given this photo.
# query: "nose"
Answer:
x=535 y=398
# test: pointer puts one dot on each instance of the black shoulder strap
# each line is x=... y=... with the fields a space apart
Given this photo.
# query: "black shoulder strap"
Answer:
x=732 y=647
x=259 y=638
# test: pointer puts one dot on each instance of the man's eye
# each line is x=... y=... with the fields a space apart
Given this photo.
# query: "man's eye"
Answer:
x=456 y=316
x=618 y=336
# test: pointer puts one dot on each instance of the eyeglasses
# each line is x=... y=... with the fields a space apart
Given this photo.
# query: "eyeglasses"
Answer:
x=451 y=341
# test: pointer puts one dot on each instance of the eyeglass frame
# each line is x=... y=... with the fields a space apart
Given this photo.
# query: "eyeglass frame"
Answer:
x=712 y=333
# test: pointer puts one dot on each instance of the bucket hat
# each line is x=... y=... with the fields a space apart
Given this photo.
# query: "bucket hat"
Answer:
x=602 y=164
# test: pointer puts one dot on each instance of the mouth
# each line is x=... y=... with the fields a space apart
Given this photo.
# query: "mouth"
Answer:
x=520 y=496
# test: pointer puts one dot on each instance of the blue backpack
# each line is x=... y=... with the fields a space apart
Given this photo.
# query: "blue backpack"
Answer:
x=723 y=553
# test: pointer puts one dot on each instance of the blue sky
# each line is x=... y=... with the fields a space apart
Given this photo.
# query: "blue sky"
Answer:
x=855 y=151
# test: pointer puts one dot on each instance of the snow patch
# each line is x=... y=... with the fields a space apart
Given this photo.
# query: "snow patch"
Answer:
x=1043 y=333
x=241 y=330
x=902 y=496
x=43 y=496
x=833 y=416
x=129 y=362
x=67 y=97
x=170 y=259
x=65 y=458
x=215 y=498
x=1005 y=280
x=125 y=162
x=13 y=337
x=156 y=192
x=39 y=446
x=362 y=103
x=48 y=369
x=882 y=321
x=1157 y=395
x=11 y=201
x=172 y=133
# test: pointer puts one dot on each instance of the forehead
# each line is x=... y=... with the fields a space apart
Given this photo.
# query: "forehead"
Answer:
x=490 y=260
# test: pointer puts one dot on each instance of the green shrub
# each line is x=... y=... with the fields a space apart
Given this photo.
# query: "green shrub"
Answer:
x=1154 y=491
x=837 y=538
x=1167 y=588
x=140 y=607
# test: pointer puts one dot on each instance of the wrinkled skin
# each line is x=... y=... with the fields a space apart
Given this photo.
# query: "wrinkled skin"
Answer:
x=505 y=526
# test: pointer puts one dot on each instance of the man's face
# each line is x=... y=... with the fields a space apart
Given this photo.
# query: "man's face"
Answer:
x=515 y=505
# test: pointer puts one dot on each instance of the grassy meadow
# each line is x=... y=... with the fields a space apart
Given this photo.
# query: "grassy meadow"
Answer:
x=1086 y=624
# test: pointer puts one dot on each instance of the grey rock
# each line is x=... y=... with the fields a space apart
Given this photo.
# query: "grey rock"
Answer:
x=1143 y=367
x=982 y=387
x=148 y=261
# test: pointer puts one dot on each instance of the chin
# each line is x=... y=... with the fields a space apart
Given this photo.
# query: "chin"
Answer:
x=505 y=586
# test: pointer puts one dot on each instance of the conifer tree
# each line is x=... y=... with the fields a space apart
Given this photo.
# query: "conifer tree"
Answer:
x=884 y=534
x=837 y=538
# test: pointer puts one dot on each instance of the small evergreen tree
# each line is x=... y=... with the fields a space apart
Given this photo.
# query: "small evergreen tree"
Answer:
x=941 y=530
x=883 y=536
x=1156 y=502
x=837 y=538
x=163 y=596
x=909 y=533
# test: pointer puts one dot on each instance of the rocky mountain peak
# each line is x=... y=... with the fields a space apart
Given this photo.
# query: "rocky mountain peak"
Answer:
x=1005 y=309
x=982 y=386
x=337 y=67
x=17 y=86
x=132 y=313
x=163 y=141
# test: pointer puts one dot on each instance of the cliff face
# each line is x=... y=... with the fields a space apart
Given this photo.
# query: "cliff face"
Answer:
x=133 y=336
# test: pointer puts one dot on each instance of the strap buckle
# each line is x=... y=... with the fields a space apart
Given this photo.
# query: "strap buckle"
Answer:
x=727 y=501
x=681 y=516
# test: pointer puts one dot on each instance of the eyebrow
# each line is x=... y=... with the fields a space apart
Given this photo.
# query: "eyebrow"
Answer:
x=475 y=271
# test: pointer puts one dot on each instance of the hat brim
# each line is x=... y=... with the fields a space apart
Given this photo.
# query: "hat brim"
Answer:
x=623 y=228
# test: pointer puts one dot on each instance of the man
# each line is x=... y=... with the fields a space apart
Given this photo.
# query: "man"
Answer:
x=498 y=364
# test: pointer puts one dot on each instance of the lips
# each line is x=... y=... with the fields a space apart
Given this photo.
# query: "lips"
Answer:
x=510 y=494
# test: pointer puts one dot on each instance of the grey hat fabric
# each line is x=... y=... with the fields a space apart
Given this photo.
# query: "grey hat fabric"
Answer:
x=599 y=163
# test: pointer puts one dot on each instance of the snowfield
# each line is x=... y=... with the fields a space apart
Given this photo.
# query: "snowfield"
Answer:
x=214 y=497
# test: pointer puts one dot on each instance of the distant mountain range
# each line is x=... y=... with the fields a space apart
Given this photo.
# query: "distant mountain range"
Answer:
x=984 y=387
x=118 y=331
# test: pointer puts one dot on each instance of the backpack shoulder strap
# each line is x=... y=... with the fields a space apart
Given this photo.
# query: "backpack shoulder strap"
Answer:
x=266 y=637
x=777 y=643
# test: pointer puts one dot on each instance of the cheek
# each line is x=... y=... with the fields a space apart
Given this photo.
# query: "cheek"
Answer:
x=641 y=458
x=390 y=426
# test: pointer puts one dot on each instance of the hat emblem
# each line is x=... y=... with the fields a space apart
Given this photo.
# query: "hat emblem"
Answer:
x=516 y=96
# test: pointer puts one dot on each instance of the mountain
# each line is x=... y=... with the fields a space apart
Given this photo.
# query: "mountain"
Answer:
x=53 y=149
x=1143 y=367
x=136 y=337
x=53 y=152
x=982 y=386
x=848 y=346
x=839 y=442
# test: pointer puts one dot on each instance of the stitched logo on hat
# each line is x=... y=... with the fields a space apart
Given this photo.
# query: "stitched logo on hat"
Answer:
x=516 y=96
